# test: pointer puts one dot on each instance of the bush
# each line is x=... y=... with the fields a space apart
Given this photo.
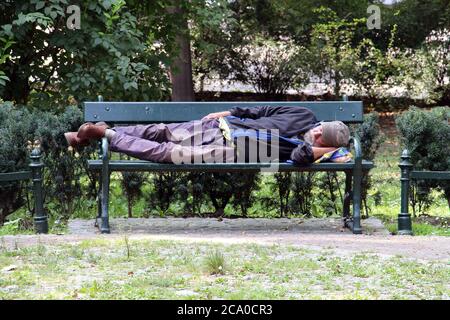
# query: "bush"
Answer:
x=272 y=67
x=164 y=192
x=426 y=135
x=131 y=184
x=64 y=168
x=16 y=129
x=295 y=194
x=369 y=134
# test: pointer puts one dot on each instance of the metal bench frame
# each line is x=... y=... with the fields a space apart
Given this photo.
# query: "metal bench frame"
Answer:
x=157 y=112
x=407 y=174
x=35 y=174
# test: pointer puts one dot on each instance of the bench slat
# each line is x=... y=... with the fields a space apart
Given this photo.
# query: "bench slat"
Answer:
x=155 y=112
x=15 y=176
x=431 y=175
x=140 y=165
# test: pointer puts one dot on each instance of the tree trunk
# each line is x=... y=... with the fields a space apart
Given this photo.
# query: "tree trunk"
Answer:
x=181 y=69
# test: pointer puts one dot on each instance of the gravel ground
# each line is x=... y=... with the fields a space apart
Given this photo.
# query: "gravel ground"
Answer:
x=311 y=233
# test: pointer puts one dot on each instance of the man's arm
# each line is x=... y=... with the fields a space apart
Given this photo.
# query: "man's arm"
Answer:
x=263 y=111
x=306 y=153
x=258 y=111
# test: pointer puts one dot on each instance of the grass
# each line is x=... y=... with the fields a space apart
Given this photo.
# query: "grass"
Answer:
x=215 y=262
x=180 y=270
x=421 y=229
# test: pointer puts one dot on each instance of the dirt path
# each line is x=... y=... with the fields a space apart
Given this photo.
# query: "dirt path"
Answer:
x=312 y=233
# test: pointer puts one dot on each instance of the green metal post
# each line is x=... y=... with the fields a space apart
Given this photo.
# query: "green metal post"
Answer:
x=404 y=218
x=40 y=216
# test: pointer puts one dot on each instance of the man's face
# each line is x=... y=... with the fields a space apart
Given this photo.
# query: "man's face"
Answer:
x=314 y=137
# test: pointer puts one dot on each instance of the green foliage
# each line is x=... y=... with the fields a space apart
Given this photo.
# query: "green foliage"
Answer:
x=332 y=55
x=302 y=201
x=220 y=189
x=132 y=183
x=245 y=185
x=216 y=34
x=330 y=197
x=63 y=168
x=164 y=192
x=271 y=67
x=109 y=54
x=426 y=134
x=416 y=19
x=294 y=194
x=370 y=137
x=16 y=129
x=4 y=56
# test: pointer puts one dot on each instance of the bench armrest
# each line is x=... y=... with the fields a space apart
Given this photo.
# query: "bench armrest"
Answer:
x=358 y=151
x=104 y=148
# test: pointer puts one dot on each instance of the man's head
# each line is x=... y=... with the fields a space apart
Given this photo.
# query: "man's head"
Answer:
x=328 y=134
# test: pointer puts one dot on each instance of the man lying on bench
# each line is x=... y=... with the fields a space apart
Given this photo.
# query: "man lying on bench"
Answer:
x=238 y=135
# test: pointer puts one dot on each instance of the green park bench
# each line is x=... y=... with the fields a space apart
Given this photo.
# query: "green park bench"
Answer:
x=127 y=113
x=407 y=174
x=34 y=174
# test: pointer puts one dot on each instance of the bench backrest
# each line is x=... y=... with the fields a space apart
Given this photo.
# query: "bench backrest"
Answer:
x=155 y=112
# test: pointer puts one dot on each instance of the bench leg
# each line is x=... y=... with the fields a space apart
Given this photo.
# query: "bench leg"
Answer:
x=356 y=228
x=104 y=227
x=99 y=205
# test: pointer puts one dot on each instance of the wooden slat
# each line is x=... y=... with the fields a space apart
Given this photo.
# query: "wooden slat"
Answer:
x=140 y=165
x=154 y=112
x=431 y=175
x=15 y=176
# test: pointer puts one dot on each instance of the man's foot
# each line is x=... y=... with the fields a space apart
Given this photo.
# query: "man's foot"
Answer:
x=73 y=140
x=90 y=131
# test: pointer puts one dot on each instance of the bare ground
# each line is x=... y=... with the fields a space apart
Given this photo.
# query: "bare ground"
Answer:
x=311 y=233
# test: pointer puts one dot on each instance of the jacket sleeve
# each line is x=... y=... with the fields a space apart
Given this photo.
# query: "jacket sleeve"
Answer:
x=302 y=154
x=257 y=112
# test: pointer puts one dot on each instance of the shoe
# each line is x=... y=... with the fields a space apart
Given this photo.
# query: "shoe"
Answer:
x=73 y=140
x=90 y=131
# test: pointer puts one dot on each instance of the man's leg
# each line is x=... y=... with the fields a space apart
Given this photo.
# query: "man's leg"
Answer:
x=209 y=148
x=171 y=132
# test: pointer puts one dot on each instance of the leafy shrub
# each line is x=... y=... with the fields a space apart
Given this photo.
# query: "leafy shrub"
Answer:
x=244 y=187
x=64 y=168
x=16 y=128
x=271 y=67
x=164 y=191
x=294 y=194
x=370 y=137
x=132 y=183
x=302 y=201
x=330 y=196
x=220 y=189
x=426 y=135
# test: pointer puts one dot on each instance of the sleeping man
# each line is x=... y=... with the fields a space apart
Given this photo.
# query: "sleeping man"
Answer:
x=255 y=134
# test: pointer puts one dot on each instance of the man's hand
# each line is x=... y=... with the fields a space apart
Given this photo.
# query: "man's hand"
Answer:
x=343 y=159
x=217 y=115
x=319 y=151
